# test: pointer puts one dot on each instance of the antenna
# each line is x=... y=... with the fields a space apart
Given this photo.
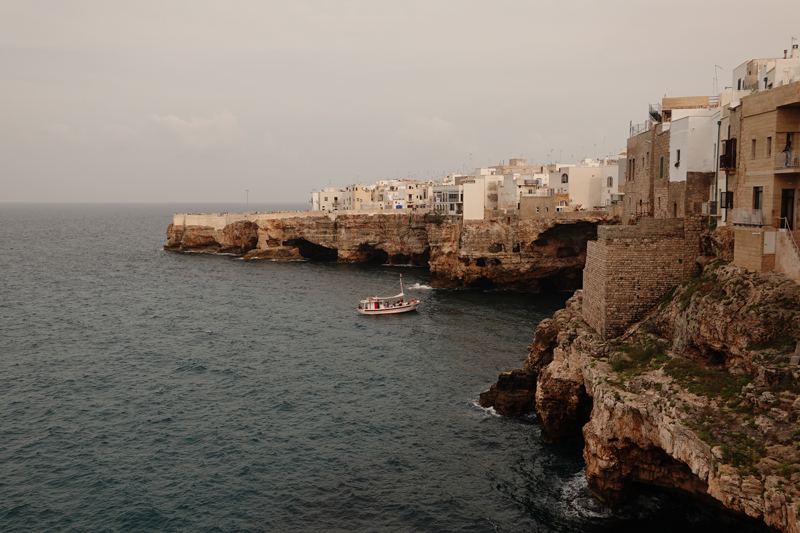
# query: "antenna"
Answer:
x=716 y=87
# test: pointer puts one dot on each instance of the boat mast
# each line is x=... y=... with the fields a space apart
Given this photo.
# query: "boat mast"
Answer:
x=401 y=284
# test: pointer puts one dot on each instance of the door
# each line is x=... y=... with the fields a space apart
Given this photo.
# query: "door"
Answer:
x=787 y=207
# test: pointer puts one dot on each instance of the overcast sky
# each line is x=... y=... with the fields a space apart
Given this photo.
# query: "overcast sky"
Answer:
x=120 y=101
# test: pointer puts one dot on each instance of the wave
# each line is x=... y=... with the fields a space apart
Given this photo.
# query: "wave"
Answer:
x=418 y=286
x=487 y=411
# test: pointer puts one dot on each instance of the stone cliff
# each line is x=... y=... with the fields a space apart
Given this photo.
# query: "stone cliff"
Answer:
x=507 y=253
x=698 y=396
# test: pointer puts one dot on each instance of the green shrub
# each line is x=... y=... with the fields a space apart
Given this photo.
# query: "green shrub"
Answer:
x=434 y=218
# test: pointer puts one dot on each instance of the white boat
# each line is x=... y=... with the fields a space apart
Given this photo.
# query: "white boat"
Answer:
x=388 y=305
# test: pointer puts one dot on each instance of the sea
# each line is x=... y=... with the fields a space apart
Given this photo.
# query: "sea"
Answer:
x=151 y=391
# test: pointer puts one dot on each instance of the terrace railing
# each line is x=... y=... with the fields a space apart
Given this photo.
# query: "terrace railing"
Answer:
x=747 y=217
x=787 y=160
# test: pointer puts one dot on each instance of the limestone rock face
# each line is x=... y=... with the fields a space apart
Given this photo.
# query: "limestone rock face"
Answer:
x=698 y=396
x=718 y=244
x=513 y=394
x=521 y=255
x=237 y=238
x=507 y=254
x=720 y=318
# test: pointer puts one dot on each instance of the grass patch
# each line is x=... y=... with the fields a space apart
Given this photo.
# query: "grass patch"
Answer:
x=633 y=359
x=704 y=381
x=780 y=345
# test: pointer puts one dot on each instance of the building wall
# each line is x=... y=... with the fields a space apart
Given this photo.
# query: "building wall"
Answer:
x=536 y=207
x=748 y=250
x=629 y=269
x=585 y=186
x=695 y=137
x=474 y=199
x=638 y=188
x=660 y=174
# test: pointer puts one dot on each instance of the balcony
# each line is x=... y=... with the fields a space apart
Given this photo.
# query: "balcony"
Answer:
x=710 y=208
x=787 y=162
x=747 y=217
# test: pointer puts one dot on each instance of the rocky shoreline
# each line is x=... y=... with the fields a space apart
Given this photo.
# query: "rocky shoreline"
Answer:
x=698 y=396
x=501 y=253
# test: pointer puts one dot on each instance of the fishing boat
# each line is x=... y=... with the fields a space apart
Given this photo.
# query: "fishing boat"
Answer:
x=388 y=305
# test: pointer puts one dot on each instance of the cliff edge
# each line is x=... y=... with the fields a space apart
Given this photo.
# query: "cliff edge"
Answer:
x=700 y=395
x=506 y=253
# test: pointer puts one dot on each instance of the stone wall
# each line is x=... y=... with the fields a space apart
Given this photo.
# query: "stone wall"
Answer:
x=628 y=270
x=662 y=207
x=536 y=207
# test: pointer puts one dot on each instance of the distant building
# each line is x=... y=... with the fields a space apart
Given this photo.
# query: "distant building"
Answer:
x=328 y=199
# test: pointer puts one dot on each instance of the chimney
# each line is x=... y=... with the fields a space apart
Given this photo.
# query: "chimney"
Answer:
x=784 y=53
x=794 y=51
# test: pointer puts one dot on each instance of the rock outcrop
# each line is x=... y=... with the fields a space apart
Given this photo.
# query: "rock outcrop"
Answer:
x=698 y=396
x=237 y=238
x=521 y=255
x=507 y=254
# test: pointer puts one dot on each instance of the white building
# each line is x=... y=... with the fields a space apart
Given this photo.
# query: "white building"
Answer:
x=692 y=142
x=779 y=72
x=448 y=199
x=328 y=199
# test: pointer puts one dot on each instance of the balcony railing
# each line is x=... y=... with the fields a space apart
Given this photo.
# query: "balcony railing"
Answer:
x=747 y=217
x=789 y=159
x=710 y=208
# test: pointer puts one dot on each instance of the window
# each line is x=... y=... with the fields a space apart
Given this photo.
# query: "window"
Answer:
x=769 y=147
x=564 y=178
x=677 y=157
x=661 y=168
x=452 y=207
x=753 y=149
x=647 y=160
x=610 y=181
x=758 y=196
x=739 y=85
x=326 y=198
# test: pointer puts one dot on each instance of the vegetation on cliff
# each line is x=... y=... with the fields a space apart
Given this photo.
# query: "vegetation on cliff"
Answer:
x=698 y=396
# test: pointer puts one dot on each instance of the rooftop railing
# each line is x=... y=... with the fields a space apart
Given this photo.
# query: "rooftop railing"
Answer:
x=636 y=129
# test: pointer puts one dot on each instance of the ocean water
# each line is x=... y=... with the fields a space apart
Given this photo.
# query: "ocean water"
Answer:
x=144 y=390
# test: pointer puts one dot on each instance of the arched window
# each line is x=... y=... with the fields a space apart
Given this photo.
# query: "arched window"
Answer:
x=564 y=178
x=610 y=181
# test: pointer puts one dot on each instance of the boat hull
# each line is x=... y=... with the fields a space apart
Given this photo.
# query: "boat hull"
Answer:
x=391 y=310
